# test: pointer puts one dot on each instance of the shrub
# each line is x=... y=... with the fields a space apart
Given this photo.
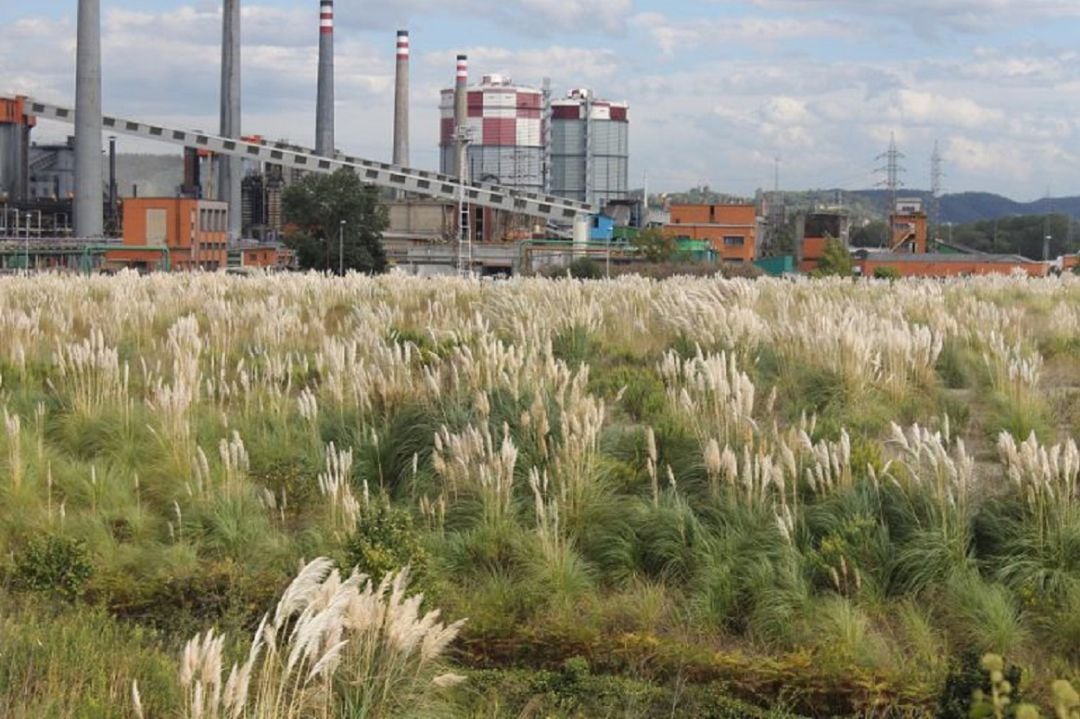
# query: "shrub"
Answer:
x=886 y=273
x=965 y=678
x=835 y=260
x=585 y=268
x=384 y=540
x=54 y=564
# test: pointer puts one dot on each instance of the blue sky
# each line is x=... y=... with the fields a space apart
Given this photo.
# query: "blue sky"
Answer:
x=718 y=89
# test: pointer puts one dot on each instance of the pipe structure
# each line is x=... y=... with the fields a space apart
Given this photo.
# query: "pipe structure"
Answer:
x=401 y=101
x=230 y=168
x=114 y=208
x=324 y=103
x=89 y=206
x=461 y=112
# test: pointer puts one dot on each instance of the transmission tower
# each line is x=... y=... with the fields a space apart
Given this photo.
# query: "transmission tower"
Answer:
x=892 y=170
x=937 y=174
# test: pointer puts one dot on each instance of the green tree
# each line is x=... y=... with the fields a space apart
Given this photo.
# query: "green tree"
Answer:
x=653 y=245
x=836 y=260
x=872 y=234
x=315 y=208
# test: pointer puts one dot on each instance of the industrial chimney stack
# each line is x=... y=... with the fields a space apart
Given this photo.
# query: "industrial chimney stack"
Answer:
x=89 y=208
x=324 y=103
x=461 y=112
x=401 y=101
x=230 y=168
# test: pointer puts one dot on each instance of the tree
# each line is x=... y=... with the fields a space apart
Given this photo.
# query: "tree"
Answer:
x=653 y=245
x=872 y=234
x=315 y=208
x=835 y=260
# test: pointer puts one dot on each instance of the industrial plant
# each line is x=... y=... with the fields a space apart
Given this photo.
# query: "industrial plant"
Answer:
x=528 y=178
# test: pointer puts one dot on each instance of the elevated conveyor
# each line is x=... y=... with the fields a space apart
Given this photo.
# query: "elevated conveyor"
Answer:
x=420 y=182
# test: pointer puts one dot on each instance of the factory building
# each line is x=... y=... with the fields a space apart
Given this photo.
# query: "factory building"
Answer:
x=15 y=126
x=732 y=230
x=506 y=141
x=590 y=149
x=173 y=233
x=945 y=264
x=813 y=230
x=909 y=227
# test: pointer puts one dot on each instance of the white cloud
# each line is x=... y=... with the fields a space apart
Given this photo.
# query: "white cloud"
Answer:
x=671 y=35
x=719 y=107
x=925 y=16
x=931 y=109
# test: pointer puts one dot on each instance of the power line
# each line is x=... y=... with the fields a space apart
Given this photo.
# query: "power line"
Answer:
x=892 y=171
x=937 y=174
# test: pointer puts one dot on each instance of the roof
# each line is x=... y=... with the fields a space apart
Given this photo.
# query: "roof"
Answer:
x=943 y=258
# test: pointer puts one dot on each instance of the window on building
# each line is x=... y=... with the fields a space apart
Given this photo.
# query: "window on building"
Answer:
x=734 y=240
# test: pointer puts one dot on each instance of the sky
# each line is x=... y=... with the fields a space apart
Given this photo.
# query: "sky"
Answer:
x=718 y=89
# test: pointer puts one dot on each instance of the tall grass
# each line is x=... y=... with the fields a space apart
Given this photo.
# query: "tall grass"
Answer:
x=752 y=463
x=332 y=647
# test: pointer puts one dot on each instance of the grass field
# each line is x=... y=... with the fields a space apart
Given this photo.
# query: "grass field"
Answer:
x=693 y=497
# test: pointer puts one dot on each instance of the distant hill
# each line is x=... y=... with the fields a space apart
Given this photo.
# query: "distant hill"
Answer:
x=867 y=205
x=965 y=207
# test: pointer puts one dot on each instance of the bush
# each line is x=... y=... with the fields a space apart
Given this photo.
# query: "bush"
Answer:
x=385 y=540
x=585 y=268
x=886 y=273
x=835 y=260
x=53 y=564
x=965 y=678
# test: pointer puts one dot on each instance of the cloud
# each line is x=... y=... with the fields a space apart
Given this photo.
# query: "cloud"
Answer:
x=566 y=66
x=962 y=16
x=538 y=18
x=671 y=35
x=712 y=98
x=942 y=111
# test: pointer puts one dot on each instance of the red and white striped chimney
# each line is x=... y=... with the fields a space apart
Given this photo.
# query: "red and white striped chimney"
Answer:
x=324 y=104
x=401 y=101
x=461 y=111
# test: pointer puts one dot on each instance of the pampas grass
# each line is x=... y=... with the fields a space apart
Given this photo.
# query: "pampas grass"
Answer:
x=332 y=647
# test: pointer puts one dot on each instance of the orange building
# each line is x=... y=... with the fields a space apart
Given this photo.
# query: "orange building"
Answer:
x=731 y=229
x=813 y=231
x=909 y=227
x=173 y=232
x=249 y=254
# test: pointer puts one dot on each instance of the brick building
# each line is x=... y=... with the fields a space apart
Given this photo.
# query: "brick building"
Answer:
x=733 y=230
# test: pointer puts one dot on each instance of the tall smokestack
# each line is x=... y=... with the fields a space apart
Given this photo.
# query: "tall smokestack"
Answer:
x=461 y=111
x=324 y=103
x=230 y=168
x=89 y=208
x=401 y=101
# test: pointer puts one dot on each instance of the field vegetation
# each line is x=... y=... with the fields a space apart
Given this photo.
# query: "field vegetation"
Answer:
x=302 y=496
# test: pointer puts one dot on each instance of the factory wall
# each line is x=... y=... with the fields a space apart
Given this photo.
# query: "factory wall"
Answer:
x=731 y=229
x=936 y=266
x=195 y=231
